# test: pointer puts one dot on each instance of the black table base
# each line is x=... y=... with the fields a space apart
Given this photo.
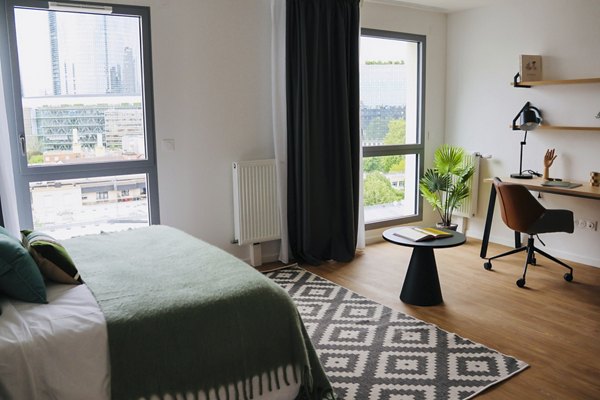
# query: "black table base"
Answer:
x=421 y=285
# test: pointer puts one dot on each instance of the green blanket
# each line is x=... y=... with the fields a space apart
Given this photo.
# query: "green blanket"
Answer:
x=184 y=316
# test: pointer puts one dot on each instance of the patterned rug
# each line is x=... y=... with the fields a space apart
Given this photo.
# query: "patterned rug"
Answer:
x=372 y=352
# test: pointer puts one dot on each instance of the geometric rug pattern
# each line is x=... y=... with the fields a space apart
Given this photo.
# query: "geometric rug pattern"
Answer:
x=371 y=352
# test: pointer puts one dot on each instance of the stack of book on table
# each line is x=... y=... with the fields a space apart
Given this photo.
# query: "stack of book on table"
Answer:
x=418 y=234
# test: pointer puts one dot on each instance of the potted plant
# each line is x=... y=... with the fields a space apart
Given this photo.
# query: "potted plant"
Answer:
x=446 y=184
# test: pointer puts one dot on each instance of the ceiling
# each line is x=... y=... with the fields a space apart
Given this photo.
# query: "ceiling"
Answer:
x=447 y=6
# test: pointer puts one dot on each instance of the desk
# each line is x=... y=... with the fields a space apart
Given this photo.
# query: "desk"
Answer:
x=585 y=191
x=422 y=285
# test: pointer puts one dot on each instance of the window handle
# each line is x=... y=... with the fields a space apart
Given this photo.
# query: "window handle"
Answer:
x=23 y=145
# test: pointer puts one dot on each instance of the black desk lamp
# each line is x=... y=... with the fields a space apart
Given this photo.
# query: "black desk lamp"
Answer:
x=531 y=118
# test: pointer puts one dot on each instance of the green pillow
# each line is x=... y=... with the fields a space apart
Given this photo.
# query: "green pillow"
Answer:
x=20 y=277
x=51 y=257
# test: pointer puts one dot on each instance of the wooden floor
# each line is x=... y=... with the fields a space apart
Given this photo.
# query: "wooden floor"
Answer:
x=552 y=325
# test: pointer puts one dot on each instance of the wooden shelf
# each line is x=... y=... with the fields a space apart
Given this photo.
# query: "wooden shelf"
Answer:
x=527 y=84
x=567 y=128
x=556 y=82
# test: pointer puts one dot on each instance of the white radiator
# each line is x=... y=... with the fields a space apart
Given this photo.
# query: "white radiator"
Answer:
x=255 y=204
x=468 y=207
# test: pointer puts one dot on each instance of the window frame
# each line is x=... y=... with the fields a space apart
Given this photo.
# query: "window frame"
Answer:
x=404 y=149
x=24 y=173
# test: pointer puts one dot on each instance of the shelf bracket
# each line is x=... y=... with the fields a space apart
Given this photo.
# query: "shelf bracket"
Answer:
x=517 y=82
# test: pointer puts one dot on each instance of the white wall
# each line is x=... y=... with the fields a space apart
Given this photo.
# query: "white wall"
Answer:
x=211 y=64
x=484 y=45
x=433 y=26
x=211 y=69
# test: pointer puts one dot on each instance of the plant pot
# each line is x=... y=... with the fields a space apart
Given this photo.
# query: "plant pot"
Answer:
x=452 y=227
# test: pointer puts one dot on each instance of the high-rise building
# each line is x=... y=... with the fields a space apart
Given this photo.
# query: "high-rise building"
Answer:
x=56 y=90
x=116 y=82
x=129 y=82
x=93 y=54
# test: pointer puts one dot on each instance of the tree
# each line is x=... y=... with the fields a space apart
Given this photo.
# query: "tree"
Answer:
x=372 y=164
x=35 y=157
x=397 y=164
x=377 y=187
x=396 y=132
x=376 y=128
x=396 y=135
x=378 y=190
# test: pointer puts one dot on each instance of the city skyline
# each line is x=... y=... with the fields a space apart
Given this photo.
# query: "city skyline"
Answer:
x=71 y=54
x=81 y=86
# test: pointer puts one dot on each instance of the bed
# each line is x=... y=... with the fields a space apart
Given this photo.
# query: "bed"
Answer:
x=161 y=315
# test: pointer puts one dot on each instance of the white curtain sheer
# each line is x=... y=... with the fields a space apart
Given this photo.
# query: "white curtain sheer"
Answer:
x=279 y=110
x=361 y=234
x=7 y=187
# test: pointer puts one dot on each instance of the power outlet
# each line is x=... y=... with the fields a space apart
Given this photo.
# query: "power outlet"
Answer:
x=586 y=224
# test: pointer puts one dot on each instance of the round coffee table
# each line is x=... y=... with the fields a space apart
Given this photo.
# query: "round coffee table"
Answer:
x=421 y=284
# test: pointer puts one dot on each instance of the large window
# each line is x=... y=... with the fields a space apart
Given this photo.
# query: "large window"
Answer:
x=84 y=126
x=391 y=104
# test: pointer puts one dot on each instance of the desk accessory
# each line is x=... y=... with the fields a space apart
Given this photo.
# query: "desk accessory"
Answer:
x=549 y=158
x=595 y=178
x=561 y=183
x=531 y=118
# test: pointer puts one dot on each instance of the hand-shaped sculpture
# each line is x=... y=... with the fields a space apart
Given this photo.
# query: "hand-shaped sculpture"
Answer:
x=548 y=160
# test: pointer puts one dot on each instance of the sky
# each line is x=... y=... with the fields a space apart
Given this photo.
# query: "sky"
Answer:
x=373 y=49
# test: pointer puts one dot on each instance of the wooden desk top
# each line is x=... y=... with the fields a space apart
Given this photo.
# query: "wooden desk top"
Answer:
x=586 y=190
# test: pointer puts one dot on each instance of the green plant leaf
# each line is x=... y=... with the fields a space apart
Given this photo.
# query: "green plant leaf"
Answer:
x=446 y=184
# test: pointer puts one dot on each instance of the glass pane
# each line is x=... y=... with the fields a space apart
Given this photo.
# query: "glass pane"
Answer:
x=75 y=207
x=81 y=87
x=389 y=185
x=388 y=91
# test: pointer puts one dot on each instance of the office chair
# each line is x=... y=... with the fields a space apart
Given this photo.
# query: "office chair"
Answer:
x=521 y=212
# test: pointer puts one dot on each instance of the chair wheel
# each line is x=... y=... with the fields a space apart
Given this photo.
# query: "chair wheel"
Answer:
x=488 y=265
x=531 y=261
x=568 y=277
x=521 y=282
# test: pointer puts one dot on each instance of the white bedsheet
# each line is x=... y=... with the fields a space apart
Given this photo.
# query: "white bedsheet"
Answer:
x=59 y=350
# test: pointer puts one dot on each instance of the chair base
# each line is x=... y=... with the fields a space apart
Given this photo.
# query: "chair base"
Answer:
x=531 y=250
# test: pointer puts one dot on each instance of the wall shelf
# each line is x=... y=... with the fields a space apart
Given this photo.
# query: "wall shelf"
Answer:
x=527 y=84
x=567 y=128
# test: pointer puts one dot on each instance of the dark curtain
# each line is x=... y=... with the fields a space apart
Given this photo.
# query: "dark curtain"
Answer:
x=322 y=39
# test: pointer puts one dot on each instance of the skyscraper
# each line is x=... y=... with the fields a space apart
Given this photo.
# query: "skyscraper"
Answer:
x=54 y=54
x=93 y=54
x=129 y=82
